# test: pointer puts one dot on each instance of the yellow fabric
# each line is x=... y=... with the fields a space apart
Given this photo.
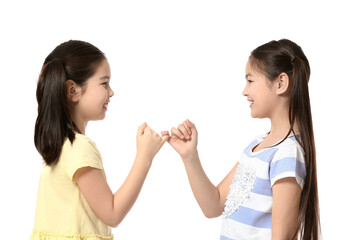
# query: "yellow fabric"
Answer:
x=62 y=212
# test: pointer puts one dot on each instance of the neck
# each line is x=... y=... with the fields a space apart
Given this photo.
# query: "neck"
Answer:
x=280 y=124
x=81 y=126
x=80 y=123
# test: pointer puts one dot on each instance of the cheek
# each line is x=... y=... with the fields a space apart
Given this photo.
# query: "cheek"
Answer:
x=101 y=96
x=105 y=96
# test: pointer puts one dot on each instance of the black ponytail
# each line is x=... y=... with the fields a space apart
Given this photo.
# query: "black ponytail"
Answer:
x=75 y=60
x=300 y=104
x=53 y=123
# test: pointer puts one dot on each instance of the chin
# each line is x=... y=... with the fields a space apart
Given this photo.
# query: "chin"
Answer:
x=101 y=117
x=255 y=115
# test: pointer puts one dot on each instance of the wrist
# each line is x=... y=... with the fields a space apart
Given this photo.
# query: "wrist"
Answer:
x=144 y=160
x=191 y=156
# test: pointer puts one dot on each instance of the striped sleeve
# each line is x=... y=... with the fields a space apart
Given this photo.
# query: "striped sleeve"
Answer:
x=288 y=161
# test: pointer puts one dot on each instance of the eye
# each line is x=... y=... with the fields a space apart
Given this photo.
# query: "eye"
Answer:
x=105 y=84
x=249 y=81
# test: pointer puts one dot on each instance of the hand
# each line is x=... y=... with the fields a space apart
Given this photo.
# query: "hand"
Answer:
x=184 y=139
x=148 y=142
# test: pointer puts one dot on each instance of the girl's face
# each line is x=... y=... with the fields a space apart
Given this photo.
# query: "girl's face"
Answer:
x=260 y=92
x=93 y=102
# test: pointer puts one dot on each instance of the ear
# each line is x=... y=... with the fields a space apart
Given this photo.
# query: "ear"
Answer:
x=282 y=84
x=73 y=90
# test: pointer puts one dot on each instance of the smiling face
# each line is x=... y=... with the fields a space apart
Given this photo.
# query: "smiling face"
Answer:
x=260 y=92
x=92 y=101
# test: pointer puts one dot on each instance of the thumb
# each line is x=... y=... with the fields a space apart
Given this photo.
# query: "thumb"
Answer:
x=165 y=138
x=165 y=135
x=141 y=129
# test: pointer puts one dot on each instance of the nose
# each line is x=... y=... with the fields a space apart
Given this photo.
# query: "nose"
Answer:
x=111 y=92
x=244 y=92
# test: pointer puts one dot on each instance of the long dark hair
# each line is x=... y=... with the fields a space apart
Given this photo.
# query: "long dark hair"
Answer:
x=74 y=60
x=285 y=56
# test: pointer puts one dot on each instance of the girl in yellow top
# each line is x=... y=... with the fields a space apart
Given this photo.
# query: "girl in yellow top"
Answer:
x=74 y=199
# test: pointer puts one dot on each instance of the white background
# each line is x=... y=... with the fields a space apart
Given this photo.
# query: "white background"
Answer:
x=171 y=60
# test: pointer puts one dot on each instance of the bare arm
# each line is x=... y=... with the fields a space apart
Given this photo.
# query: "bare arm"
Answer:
x=112 y=208
x=210 y=198
x=286 y=199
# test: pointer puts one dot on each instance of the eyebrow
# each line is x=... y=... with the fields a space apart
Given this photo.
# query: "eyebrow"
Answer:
x=248 y=75
x=105 y=78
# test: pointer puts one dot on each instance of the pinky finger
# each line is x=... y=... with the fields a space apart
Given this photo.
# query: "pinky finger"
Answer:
x=165 y=133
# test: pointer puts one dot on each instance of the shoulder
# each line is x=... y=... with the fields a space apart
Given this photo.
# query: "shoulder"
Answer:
x=288 y=161
x=82 y=152
x=290 y=148
x=80 y=147
x=82 y=140
x=80 y=143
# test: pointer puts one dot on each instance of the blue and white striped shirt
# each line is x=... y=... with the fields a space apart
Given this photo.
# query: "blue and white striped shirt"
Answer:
x=248 y=209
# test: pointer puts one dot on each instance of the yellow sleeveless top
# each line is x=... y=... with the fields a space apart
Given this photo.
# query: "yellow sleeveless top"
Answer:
x=62 y=212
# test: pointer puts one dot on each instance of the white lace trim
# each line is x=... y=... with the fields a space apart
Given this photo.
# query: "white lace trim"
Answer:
x=240 y=188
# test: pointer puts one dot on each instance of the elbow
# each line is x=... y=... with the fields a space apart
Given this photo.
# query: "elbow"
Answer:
x=113 y=225
x=212 y=211
x=115 y=222
x=209 y=216
x=212 y=214
x=112 y=222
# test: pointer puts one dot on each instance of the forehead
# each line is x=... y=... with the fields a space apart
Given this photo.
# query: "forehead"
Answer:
x=103 y=68
x=102 y=73
x=251 y=71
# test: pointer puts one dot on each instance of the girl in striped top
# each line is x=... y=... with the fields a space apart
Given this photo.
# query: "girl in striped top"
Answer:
x=271 y=193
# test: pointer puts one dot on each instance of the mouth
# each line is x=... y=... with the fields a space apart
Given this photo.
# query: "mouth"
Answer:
x=105 y=105
x=250 y=101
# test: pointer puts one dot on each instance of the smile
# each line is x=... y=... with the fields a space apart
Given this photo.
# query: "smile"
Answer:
x=106 y=105
x=250 y=101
